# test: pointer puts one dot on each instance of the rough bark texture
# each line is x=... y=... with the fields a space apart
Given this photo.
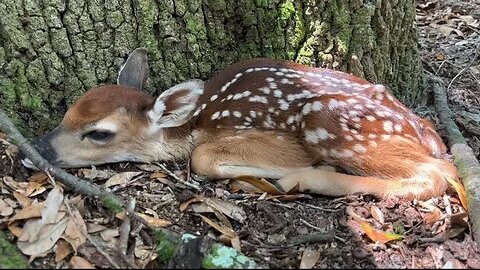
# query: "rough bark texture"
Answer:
x=52 y=51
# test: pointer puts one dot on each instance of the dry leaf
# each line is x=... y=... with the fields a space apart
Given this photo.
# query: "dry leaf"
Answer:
x=5 y=209
x=309 y=258
x=96 y=174
x=155 y=222
x=93 y=228
x=433 y=217
x=22 y=199
x=46 y=241
x=262 y=184
x=62 y=250
x=453 y=232
x=52 y=205
x=231 y=210
x=38 y=177
x=377 y=214
x=148 y=167
x=76 y=227
x=31 y=230
x=157 y=175
x=184 y=205
x=31 y=211
x=460 y=219
x=108 y=234
x=378 y=236
x=222 y=229
x=77 y=262
x=121 y=178
x=460 y=191
x=15 y=229
x=18 y=186
x=35 y=188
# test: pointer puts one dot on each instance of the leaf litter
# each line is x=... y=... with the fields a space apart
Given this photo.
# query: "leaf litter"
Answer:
x=368 y=233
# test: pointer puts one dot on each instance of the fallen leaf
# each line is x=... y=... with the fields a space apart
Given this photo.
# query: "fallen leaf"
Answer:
x=96 y=174
x=460 y=219
x=35 y=188
x=77 y=262
x=184 y=205
x=378 y=236
x=93 y=228
x=5 y=209
x=22 y=199
x=62 y=250
x=121 y=178
x=460 y=191
x=108 y=234
x=262 y=184
x=52 y=205
x=31 y=230
x=309 y=258
x=15 y=229
x=148 y=167
x=142 y=251
x=34 y=210
x=76 y=227
x=231 y=210
x=432 y=217
x=453 y=232
x=38 y=177
x=157 y=175
x=377 y=214
x=230 y=233
x=155 y=222
x=46 y=241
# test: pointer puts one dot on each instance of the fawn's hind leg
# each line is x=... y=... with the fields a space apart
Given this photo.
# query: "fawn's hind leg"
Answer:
x=259 y=154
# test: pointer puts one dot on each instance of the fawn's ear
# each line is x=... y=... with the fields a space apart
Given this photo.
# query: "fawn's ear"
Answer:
x=175 y=106
x=134 y=72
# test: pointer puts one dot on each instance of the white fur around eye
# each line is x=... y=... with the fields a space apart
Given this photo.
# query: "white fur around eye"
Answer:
x=107 y=126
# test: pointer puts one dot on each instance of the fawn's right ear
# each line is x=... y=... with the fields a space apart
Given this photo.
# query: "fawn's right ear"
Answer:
x=134 y=72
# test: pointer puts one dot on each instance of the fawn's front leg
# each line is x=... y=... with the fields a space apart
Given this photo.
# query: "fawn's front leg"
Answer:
x=254 y=153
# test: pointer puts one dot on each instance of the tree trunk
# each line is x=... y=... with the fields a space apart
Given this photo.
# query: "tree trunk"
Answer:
x=51 y=52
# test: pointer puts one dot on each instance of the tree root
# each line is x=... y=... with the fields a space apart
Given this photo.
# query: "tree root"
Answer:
x=463 y=156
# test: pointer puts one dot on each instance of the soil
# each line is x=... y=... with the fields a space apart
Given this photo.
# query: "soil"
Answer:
x=275 y=233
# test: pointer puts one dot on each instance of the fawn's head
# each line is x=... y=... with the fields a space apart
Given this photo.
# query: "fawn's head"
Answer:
x=118 y=122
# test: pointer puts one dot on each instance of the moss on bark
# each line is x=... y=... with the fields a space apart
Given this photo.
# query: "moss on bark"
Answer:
x=52 y=51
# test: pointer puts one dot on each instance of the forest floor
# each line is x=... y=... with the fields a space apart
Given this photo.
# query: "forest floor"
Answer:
x=276 y=231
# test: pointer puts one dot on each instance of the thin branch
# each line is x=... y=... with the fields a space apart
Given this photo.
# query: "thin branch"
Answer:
x=188 y=184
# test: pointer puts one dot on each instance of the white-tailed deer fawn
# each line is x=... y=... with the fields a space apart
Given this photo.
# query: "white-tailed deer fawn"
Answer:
x=265 y=118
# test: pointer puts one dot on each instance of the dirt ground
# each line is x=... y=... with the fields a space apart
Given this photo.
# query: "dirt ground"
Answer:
x=279 y=234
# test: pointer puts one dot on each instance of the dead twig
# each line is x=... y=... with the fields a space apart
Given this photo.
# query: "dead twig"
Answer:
x=314 y=238
x=171 y=174
x=463 y=155
x=126 y=227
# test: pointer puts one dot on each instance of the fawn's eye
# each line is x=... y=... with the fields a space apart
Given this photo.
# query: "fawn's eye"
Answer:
x=99 y=135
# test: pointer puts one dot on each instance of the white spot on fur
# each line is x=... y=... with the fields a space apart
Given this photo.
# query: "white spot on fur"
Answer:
x=370 y=118
x=259 y=99
x=359 y=148
x=277 y=93
x=214 y=97
x=319 y=134
x=215 y=115
x=317 y=106
x=269 y=79
x=388 y=126
x=225 y=113
x=265 y=90
x=398 y=127
x=237 y=114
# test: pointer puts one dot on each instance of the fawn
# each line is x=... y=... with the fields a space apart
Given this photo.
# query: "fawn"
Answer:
x=264 y=118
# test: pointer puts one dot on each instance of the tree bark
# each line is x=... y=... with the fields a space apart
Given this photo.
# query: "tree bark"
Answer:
x=52 y=51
